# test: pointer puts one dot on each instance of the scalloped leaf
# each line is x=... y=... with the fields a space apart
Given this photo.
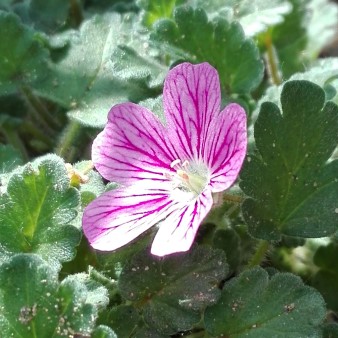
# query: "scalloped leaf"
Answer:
x=293 y=190
x=36 y=213
x=42 y=306
x=323 y=72
x=160 y=285
x=192 y=37
x=254 y=305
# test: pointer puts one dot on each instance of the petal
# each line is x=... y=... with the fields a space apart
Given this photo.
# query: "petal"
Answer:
x=118 y=216
x=177 y=232
x=191 y=99
x=226 y=147
x=132 y=146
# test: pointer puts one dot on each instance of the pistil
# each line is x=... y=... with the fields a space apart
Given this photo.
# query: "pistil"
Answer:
x=189 y=177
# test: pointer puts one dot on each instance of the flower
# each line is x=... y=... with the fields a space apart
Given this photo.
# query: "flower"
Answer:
x=167 y=173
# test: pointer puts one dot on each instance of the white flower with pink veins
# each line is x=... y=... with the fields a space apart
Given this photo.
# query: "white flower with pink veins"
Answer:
x=167 y=173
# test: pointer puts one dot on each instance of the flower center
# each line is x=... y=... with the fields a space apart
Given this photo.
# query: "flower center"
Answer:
x=189 y=177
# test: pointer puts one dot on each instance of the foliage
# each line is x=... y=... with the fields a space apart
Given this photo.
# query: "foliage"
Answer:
x=263 y=263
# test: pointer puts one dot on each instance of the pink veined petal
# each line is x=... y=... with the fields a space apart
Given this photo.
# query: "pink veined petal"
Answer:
x=118 y=216
x=226 y=147
x=132 y=146
x=191 y=99
x=177 y=232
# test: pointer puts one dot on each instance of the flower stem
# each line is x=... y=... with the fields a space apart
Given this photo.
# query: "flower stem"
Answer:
x=65 y=148
x=259 y=255
x=272 y=61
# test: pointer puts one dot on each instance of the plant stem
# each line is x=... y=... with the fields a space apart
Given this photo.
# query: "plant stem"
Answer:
x=40 y=112
x=37 y=133
x=272 y=61
x=65 y=148
x=259 y=255
x=233 y=198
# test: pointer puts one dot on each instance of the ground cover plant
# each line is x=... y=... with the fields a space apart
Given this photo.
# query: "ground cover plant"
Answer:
x=168 y=168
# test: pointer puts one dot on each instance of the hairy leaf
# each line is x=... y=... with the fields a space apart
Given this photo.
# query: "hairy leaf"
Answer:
x=42 y=306
x=36 y=213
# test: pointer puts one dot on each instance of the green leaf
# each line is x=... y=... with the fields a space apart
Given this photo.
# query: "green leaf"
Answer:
x=290 y=39
x=326 y=279
x=92 y=77
x=24 y=60
x=323 y=72
x=49 y=15
x=117 y=320
x=303 y=34
x=254 y=305
x=34 y=285
x=148 y=333
x=42 y=306
x=321 y=27
x=36 y=213
x=258 y=15
x=156 y=106
x=154 y=10
x=229 y=241
x=97 y=294
x=10 y=159
x=174 y=290
x=293 y=190
x=193 y=38
x=330 y=330
x=325 y=257
x=103 y=331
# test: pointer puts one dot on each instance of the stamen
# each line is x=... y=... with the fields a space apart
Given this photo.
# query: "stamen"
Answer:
x=173 y=163
x=168 y=176
x=188 y=177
